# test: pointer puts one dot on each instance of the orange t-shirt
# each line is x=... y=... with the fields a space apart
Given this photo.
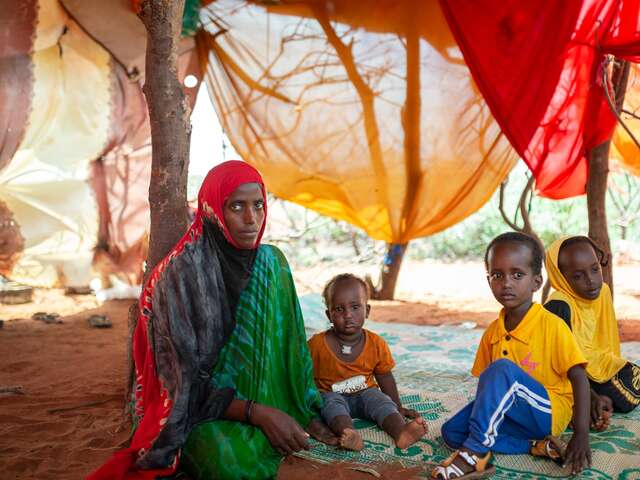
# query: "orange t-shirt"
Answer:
x=375 y=359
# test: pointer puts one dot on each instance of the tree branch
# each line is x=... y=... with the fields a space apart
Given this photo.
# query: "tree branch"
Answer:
x=513 y=226
x=524 y=213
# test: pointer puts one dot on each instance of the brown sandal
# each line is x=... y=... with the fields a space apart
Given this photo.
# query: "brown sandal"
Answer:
x=551 y=447
x=448 y=470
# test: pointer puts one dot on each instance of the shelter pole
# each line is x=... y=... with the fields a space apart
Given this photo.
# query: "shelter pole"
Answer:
x=411 y=127
x=170 y=136
x=598 y=173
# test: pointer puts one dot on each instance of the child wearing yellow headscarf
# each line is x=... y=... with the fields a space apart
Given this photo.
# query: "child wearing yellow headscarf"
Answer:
x=584 y=302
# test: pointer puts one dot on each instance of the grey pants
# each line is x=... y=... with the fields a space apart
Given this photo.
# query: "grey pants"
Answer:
x=369 y=404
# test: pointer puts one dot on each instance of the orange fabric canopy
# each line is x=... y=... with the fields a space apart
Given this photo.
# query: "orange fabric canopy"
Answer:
x=624 y=149
x=363 y=111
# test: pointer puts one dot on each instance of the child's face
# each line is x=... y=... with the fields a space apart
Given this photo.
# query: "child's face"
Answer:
x=348 y=309
x=510 y=275
x=580 y=266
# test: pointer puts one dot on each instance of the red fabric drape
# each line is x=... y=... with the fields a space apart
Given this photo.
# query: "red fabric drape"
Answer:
x=538 y=64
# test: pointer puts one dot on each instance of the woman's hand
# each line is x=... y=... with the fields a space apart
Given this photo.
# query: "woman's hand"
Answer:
x=578 y=453
x=283 y=432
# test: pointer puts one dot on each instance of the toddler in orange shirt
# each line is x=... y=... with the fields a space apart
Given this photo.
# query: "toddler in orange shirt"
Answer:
x=352 y=369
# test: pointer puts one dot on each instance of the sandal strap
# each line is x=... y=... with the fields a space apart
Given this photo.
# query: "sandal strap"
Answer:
x=449 y=460
x=447 y=467
x=555 y=447
x=446 y=472
x=480 y=464
x=470 y=458
x=550 y=447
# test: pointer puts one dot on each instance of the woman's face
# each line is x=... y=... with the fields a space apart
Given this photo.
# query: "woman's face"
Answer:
x=244 y=214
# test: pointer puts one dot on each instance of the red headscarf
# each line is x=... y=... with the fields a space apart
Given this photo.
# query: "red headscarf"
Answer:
x=153 y=401
x=219 y=184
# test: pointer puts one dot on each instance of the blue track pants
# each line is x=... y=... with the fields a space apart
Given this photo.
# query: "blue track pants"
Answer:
x=510 y=410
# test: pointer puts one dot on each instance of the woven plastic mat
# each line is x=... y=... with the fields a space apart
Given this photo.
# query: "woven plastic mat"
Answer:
x=432 y=372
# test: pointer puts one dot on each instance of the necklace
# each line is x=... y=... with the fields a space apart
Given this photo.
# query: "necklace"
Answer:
x=346 y=348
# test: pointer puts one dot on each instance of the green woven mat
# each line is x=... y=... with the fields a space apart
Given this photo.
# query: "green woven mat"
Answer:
x=432 y=372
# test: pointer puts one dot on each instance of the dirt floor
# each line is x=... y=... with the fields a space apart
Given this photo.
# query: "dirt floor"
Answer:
x=436 y=293
x=62 y=385
x=62 y=391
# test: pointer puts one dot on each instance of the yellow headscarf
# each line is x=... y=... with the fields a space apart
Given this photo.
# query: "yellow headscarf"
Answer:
x=593 y=322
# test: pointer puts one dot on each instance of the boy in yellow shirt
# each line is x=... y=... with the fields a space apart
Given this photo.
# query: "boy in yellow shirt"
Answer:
x=532 y=378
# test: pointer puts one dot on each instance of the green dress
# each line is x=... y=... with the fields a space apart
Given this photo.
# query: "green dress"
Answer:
x=265 y=360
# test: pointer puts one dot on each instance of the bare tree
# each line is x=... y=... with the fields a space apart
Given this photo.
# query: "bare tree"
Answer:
x=330 y=60
x=523 y=209
x=599 y=169
x=170 y=128
x=170 y=135
x=624 y=192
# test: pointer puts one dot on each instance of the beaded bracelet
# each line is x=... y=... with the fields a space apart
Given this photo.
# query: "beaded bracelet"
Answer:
x=248 y=409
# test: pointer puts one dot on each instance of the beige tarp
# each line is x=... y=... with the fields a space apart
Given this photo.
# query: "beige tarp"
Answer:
x=45 y=183
x=75 y=156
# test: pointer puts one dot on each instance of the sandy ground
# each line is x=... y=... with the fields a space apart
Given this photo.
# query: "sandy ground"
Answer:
x=65 y=418
x=435 y=293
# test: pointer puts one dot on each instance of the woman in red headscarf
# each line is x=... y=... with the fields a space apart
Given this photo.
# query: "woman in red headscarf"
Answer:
x=224 y=380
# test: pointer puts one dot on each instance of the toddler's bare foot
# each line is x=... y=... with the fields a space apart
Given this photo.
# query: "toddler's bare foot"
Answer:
x=351 y=440
x=411 y=433
x=603 y=422
x=321 y=432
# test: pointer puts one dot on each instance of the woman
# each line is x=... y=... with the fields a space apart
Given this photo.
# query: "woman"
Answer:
x=224 y=380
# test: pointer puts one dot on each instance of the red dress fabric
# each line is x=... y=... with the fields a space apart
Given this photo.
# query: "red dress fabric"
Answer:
x=538 y=65
x=153 y=401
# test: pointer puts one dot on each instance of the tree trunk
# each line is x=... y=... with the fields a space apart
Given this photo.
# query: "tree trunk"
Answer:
x=170 y=135
x=411 y=127
x=390 y=271
x=170 y=128
x=596 y=197
x=597 y=180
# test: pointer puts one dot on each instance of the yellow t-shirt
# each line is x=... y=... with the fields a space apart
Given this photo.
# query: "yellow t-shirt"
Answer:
x=593 y=323
x=543 y=346
x=375 y=359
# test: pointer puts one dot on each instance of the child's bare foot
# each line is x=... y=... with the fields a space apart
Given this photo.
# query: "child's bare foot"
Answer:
x=321 y=432
x=603 y=422
x=351 y=440
x=411 y=433
x=601 y=413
